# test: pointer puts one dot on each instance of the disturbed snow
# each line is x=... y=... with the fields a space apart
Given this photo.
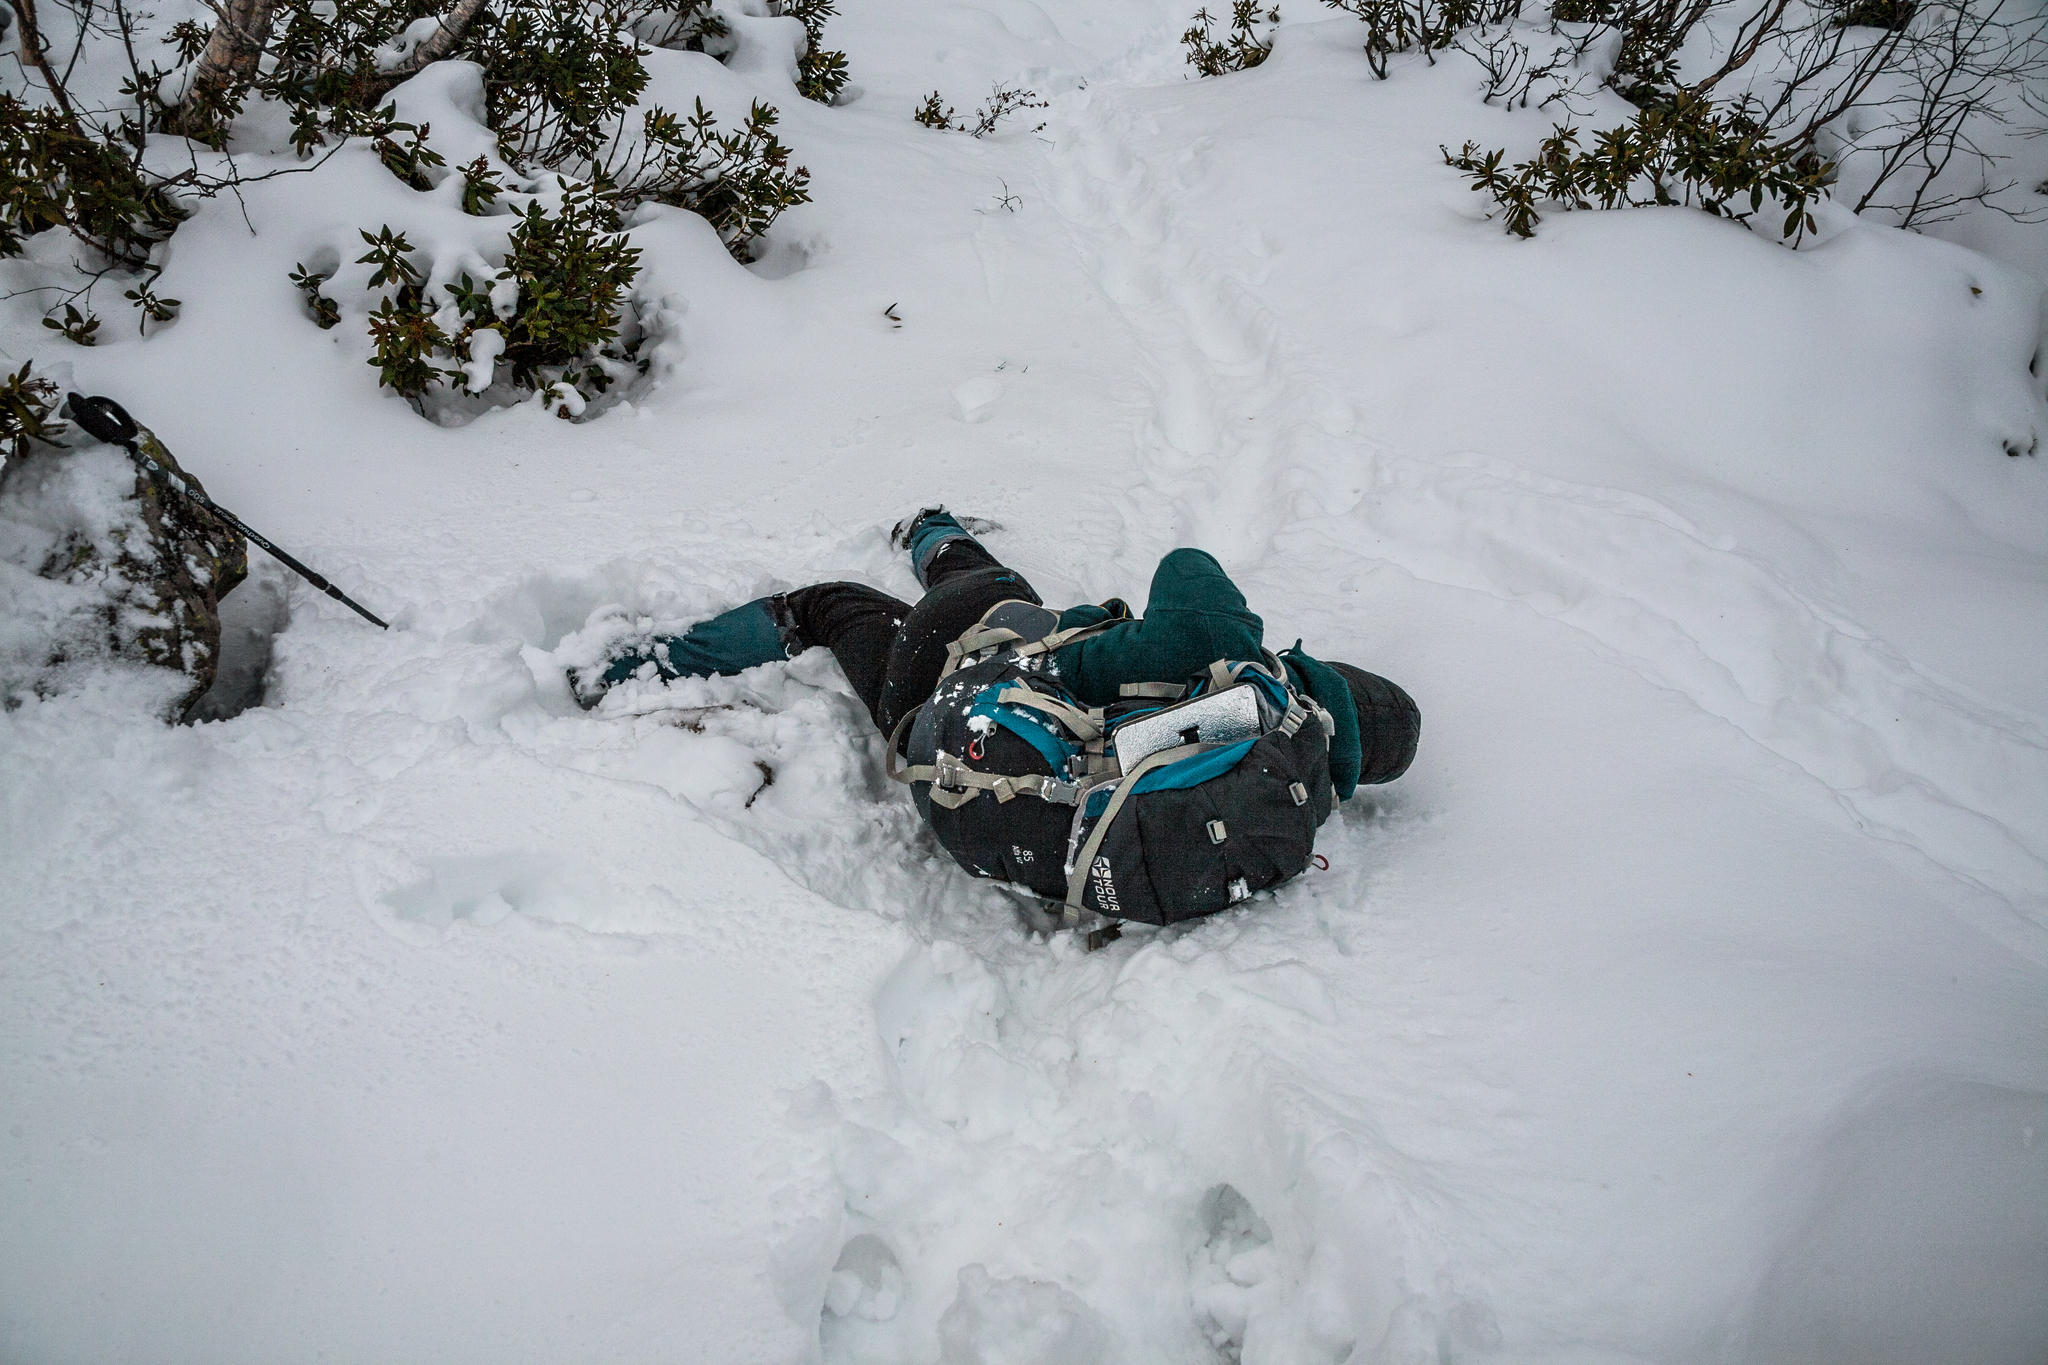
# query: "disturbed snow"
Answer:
x=1683 y=1003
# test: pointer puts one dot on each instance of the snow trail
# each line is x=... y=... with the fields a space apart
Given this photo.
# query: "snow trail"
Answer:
x=1014 y=1054
x=477 y=1026
x=1247 y=439
x=1213 y=422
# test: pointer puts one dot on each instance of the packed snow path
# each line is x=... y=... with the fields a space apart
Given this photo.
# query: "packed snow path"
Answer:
x=1684 y=1003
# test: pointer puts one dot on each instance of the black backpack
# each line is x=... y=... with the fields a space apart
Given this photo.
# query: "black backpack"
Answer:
x=1177 y=801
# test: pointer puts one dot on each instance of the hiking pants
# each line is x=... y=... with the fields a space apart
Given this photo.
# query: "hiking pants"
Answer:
x=891 y=651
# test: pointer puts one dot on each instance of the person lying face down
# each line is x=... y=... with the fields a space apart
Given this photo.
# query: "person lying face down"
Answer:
x=1154 y=769
x=893 y=652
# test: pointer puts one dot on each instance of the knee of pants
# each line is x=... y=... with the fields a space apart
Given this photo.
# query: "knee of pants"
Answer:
x=824 y=613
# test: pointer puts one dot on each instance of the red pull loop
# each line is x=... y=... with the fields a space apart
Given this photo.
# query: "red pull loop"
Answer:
x=1322 y=863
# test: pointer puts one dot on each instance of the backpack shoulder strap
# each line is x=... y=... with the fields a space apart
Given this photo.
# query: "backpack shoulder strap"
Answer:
x=902 y=772
x=1300 y=704
x=986 y=632
x=1077 y=876
x=1066 y=637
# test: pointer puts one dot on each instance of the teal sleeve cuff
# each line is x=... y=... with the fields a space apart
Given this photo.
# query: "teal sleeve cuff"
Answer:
x=1333 y=695
x=730 y=642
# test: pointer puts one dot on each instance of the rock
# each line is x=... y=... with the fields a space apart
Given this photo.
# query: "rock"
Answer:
x=137 y=571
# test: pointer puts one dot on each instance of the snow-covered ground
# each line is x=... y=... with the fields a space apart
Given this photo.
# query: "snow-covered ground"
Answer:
x=1686 y=1002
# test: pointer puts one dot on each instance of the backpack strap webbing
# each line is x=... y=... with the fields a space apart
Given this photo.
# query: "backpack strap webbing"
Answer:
x=1300 y=705
x=954 y=784
x=902 y=773
x=1077 y=878
x=980 y=636
x=973 y=639
x=950 y=772
x=1084 y=725
x=1064 y=637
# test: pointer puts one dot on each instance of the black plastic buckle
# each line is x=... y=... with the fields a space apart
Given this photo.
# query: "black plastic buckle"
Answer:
x=1103 y=937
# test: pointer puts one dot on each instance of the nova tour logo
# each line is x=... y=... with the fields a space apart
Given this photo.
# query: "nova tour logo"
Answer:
x=1105 y=886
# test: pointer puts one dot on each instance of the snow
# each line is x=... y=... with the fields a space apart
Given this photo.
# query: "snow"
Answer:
x=1684 y=1002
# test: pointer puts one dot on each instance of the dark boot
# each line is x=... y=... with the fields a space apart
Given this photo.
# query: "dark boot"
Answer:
x=934 y=531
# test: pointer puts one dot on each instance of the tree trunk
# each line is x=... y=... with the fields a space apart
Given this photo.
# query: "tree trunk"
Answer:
x=439 y=44
x=32 y=48
x=226 y=67
x=228 y=64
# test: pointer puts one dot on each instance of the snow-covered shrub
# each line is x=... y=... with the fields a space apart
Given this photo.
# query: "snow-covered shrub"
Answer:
x=319 y=307
x=1786 y=104
x=1681 y=152
x=552 y=313
x=550 y=67
x=561 y=89
x=79 y=328
x=57 y=171
x=28 y=408
x=739 y=181
x=326 y=70
x=556 y=304
x=557 y=78
x=686 y=25
x=406 y=334
x=821 y=73
x=1250 y=40
x=1429 y=26
x=407 y=340
x=409 y=159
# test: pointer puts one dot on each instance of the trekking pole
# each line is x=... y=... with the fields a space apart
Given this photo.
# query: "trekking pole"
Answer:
x=110 y=422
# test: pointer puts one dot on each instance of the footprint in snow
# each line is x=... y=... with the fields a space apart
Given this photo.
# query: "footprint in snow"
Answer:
x=1234 y=1274
x=863 y=1322
x=1020 y=1322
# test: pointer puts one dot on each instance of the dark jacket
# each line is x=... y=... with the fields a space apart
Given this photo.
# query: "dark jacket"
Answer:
x=1195 y=615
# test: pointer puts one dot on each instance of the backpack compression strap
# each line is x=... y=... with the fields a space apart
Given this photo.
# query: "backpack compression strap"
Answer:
x=981 y=636
x=1300 y=705
x=1222 y=674
x=1084 y=725
x=953 y=783
x=948 y=771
